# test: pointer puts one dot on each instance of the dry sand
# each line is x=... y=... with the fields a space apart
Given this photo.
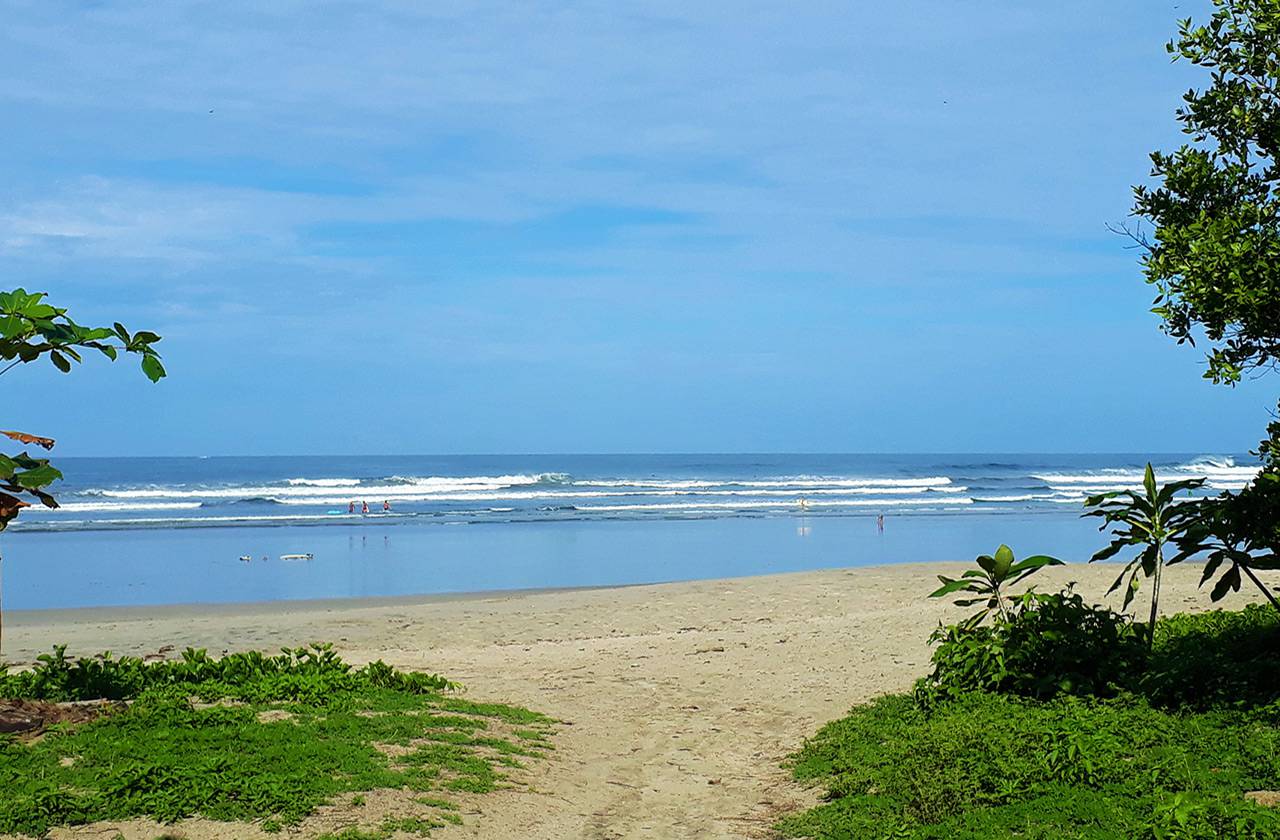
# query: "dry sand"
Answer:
x=679 y=701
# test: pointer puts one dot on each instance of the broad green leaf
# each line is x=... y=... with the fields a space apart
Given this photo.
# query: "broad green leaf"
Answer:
x=152 y=368
x=1003 y=561
x=38 y=477
x=1211 y=566
x=1149 y=482
x=949 y=586
x=1229 y=581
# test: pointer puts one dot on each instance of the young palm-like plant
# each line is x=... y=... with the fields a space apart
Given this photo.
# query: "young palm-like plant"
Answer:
x=1148 y=520
x=985 y=583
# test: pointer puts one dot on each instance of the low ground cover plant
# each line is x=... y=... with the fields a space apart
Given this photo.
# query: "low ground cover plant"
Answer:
x=1017 y=734
x=254 y=738
x=990 y=765
x=295 y=673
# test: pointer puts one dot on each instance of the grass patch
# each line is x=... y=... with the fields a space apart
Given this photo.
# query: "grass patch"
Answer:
x=299 y=735
x=1170 y=758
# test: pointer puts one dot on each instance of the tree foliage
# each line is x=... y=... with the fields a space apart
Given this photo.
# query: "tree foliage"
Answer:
x=1214 y=256
x=32 y=329
x=1213 y=253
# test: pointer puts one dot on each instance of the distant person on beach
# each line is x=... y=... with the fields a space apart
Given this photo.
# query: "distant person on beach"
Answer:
x=880 y=523
x=351 y=508
x=386 y=506
x=364 y=507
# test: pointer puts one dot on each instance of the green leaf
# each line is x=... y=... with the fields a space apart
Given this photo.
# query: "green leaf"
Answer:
x=1211 y=566
x=1230 y=580
x=152 y=368
x=987 y=562
x=1037 y=561
x=1003 y=561
x=1110 y=551
x=38 y=477
x=949 y=586
x=1131 y=590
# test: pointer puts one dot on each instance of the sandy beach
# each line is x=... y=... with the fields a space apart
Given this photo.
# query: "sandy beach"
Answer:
x=679 y=701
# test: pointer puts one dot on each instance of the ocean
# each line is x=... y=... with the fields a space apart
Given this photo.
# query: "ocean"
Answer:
x=139 y=531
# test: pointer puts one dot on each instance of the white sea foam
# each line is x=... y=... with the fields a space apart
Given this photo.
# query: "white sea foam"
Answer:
x=793 y=505
x=323 y=482
x=303 y=488
x=85 y=507
x=1220 y=470
x=501 y=489
x=785 y=482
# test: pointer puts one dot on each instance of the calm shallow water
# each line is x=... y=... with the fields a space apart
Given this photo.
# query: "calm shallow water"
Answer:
x=163 y=566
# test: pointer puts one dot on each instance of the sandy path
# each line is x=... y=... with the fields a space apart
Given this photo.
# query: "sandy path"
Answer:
x=680 y=701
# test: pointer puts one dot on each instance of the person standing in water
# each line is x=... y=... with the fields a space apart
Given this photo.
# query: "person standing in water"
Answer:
x=364 y=508
x=386 y=506
x=880 y=523
x=351 y=508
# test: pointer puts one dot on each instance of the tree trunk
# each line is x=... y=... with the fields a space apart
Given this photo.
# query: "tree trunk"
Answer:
x=1260 y=585
x=1155 y=598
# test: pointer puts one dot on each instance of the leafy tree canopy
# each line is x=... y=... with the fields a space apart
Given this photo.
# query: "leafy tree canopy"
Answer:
x=1214 y=255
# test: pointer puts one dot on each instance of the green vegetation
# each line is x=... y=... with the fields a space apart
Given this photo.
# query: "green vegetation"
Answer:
x=1168 y=752
x=1046 y=645
x=987 y=582
x=31 y=329
x=1150 y=521
x=302 y=674
x=1213 y=252
x=252 y=737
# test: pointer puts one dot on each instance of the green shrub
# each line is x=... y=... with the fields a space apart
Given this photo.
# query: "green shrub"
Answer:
x=1215 y=659
x=988 y=766
x=304 y=674
x=1045 y=645
x=1185 y=816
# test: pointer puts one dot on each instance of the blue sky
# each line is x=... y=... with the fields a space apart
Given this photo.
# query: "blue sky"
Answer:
x=508 y=227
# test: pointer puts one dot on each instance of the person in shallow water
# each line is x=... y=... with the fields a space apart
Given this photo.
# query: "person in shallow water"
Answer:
x=364 y=507
x=351 y=508
x=386 y=506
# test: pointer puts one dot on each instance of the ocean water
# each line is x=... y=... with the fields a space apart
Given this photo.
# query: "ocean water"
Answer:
x=173 y=530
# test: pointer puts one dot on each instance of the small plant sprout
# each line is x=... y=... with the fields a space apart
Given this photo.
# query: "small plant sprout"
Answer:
x=987 y=583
